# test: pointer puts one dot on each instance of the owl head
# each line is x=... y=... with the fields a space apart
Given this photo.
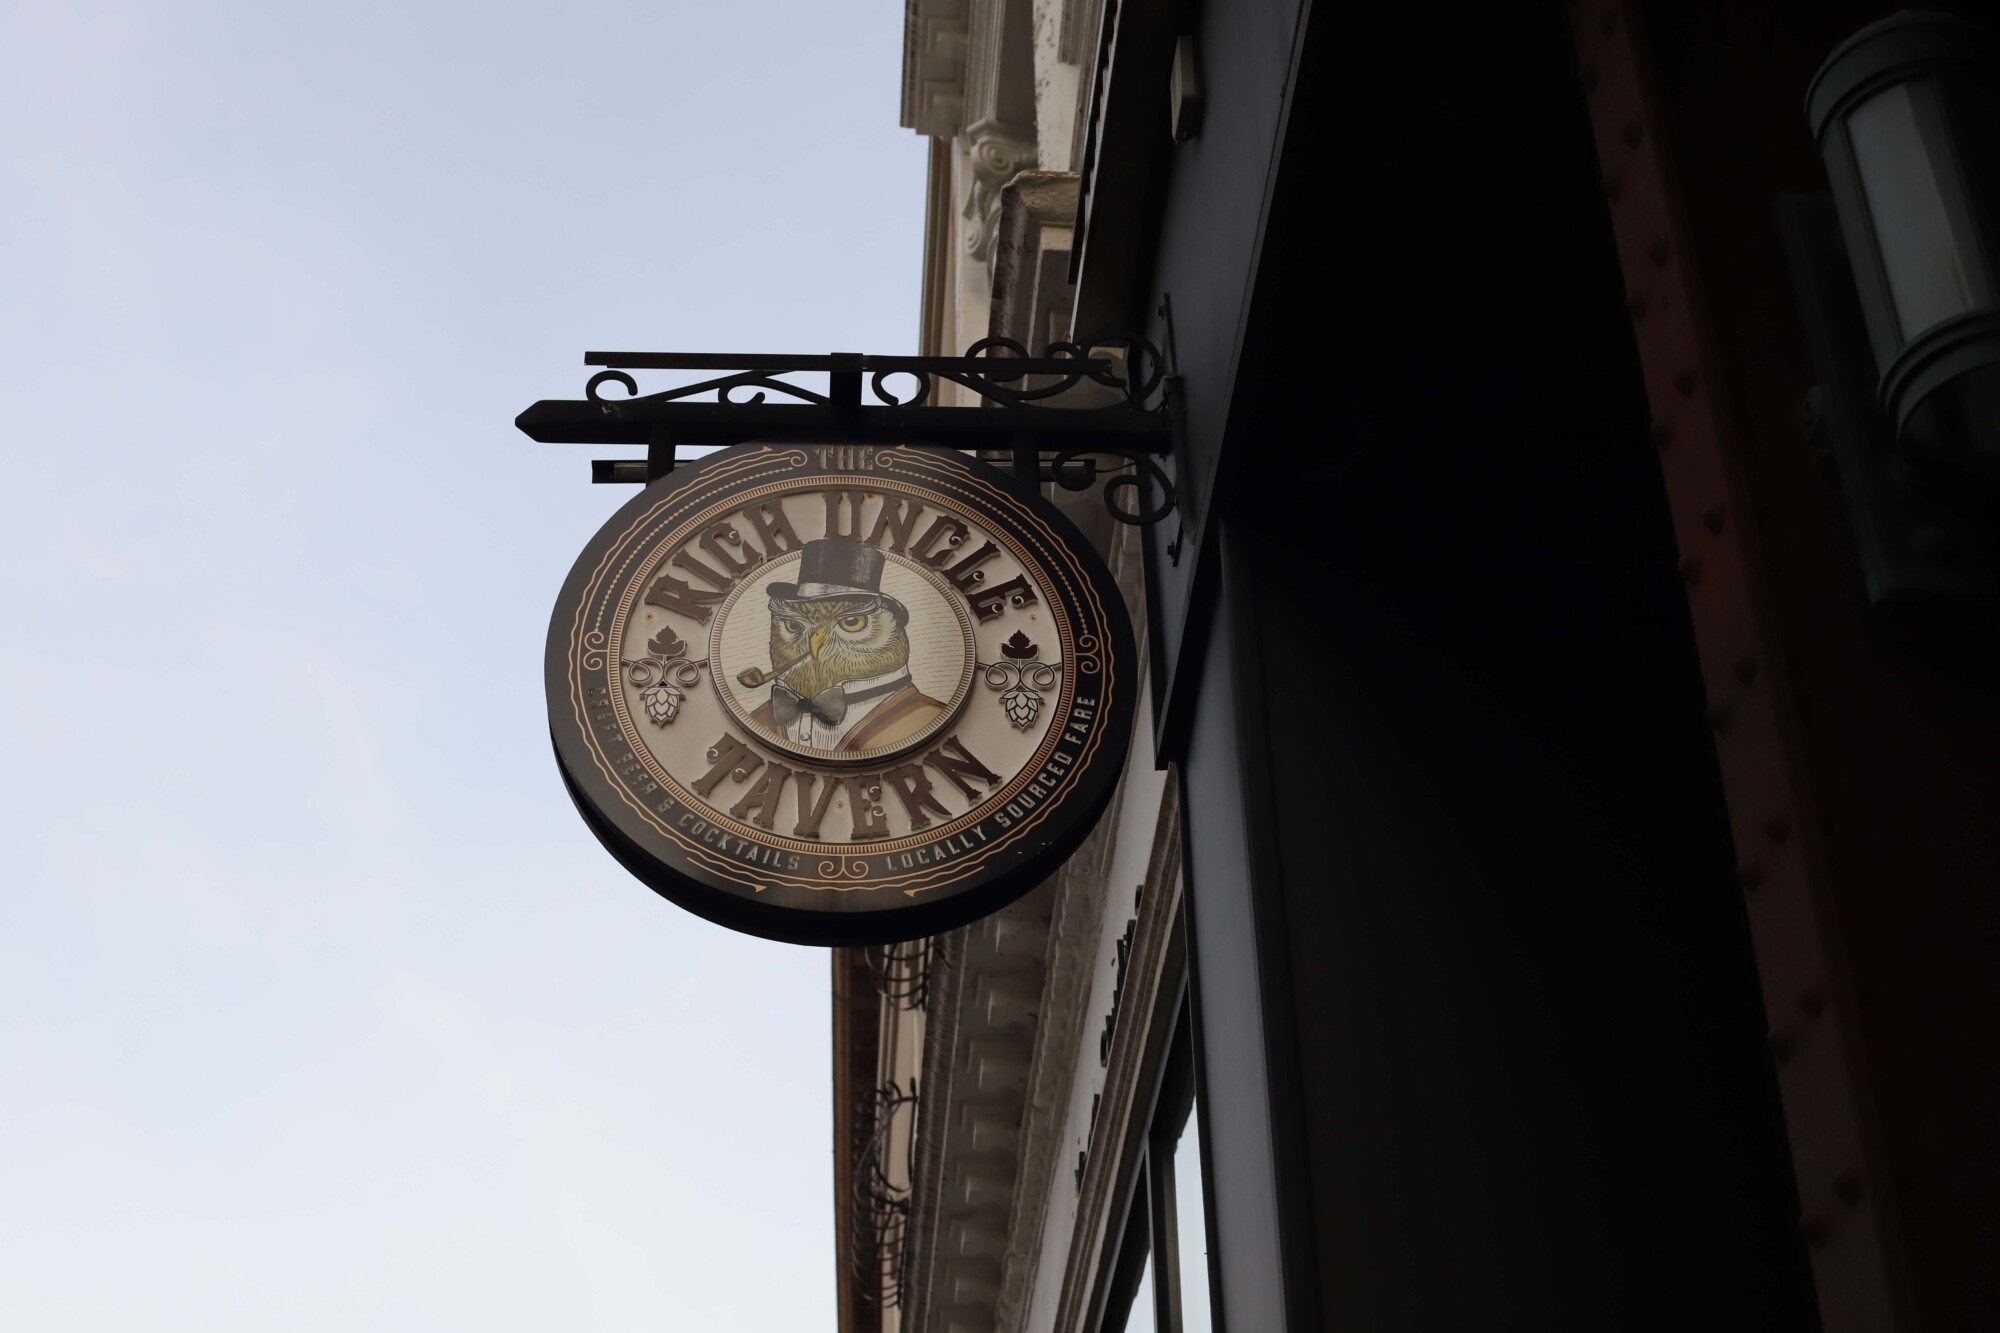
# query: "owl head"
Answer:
x=836 y=624
x=818 y=643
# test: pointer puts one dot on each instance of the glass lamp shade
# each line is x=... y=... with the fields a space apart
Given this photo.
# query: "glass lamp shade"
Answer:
x=1907 y=116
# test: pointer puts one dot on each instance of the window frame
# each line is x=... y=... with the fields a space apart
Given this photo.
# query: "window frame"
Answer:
x=1151 y=1224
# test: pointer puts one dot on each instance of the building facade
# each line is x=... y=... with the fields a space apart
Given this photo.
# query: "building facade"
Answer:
x=1550 y=887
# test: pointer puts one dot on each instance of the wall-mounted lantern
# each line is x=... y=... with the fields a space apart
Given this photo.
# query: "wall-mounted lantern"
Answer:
x=1898 y=278
x=1906 y=114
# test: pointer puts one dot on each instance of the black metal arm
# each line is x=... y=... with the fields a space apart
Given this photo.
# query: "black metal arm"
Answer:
x=1045 y=443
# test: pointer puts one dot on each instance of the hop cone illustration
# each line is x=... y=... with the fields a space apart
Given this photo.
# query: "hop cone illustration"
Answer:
x=663 y=703
x=1023 y=706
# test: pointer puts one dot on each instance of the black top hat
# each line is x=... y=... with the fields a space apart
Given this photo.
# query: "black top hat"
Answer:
x=829 y=569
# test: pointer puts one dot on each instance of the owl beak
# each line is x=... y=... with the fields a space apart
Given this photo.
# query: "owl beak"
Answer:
x=818 y=641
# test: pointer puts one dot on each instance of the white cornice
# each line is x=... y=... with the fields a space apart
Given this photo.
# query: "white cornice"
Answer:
x=934 y=49
x=983 y=1010
x=1071 y=958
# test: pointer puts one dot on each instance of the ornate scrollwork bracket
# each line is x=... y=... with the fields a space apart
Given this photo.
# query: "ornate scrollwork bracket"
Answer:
x=1149 y=484
x=1055 y=419
x=882 y=1194
x=902 y=971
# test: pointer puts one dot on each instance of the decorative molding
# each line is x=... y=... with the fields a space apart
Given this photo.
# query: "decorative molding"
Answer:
x=1074 y=933
x=996 y=152
x=1080 y=20
x=934 y=42
x=1138 y=1045
x=1030 y=258
x=985 y=58
x=966 y=62
x=927 y=1170
x=995 y=99
x=984 y=1008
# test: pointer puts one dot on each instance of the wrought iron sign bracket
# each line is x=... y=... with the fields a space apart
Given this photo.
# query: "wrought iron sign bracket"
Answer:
x=1066 y=445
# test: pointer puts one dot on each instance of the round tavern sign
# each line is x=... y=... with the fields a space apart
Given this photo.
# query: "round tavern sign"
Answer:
x=836 y=694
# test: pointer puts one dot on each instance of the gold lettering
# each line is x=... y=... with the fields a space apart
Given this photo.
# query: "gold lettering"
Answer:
x=773 y=527
x=763 y=796
x=731 y=758
x=894 y=522
x=914 y=788
x=965 y=575
x=864 y=796
x=956 y=764
x=671 y=594
x=845 y=458
x=990 y=602
x=810 y=812
x=952 y=532
x=687 y=560
x=712 y=542
x=837 y=499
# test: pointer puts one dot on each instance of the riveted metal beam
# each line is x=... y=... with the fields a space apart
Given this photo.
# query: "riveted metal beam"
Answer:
x=1807 y=998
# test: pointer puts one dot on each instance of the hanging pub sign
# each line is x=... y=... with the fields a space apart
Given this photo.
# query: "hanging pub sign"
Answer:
x=840 y=694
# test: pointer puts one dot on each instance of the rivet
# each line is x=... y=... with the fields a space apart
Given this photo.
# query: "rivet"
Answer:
x=1718 y=718
x=1684 y=381
x=1745 y=669
x=1711 y=517
x=1633 y=134
x=1781 y=1047
x=1848 y=1189
x=1657 y=252
x=1778 y=827
x=1690 y=570
x=1815 y=1231
x=1749 y=875
x=1663 y=434
x=1812 y=1003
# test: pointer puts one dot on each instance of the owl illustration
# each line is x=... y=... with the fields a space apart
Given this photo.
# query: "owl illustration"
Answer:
x=840 y=655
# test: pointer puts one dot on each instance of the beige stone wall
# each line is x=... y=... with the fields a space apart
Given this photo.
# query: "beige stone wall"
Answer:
x=1004 y=1225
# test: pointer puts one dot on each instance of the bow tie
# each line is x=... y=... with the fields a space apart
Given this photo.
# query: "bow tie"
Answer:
x=828 y=707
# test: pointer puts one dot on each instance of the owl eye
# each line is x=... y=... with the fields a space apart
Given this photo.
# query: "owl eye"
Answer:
x=853 y=623
x=791 y=627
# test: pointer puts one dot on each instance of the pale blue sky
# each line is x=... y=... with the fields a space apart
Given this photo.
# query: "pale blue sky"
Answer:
x=319 y=1007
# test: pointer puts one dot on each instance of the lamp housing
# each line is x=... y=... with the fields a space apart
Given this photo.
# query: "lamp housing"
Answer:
x=1906 y=114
